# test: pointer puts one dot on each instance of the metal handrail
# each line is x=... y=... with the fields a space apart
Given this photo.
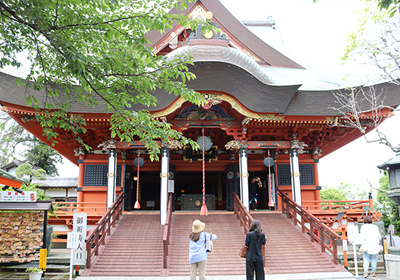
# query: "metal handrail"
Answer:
x=98 y=234
x=166 y=232
x=294 y=211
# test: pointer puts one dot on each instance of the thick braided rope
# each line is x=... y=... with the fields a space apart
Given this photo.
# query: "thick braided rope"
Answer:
x=270 y=177
x=204 y=172
x=137 y=182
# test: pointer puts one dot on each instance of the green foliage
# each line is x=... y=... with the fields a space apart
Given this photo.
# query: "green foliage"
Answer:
x=96 y=52
x=353 y=192
x=332 y=194
x=343 y=192
x=376 y=41
x=12 y=135
x=386 y=206
x=26 y=169
x=390 y=5
x=39 y=174
x=33 y=269
x=41 y=155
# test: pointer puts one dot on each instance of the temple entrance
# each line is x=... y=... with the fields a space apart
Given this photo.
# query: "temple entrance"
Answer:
x=261 y=191
x=189 y=187
x=149 y=190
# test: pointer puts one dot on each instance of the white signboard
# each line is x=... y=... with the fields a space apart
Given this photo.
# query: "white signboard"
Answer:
x=72 y=240
x=171 y=186
x=13 y=196
x=352 y=234
x=344 y=245
x=80 y=227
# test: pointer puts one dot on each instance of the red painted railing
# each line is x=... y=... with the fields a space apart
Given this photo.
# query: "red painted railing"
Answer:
x=311 y=225
x=244 y=217
x=166 y=232
x=341 y=205
x=242 y=214
x=69 y=208
x=99 y=233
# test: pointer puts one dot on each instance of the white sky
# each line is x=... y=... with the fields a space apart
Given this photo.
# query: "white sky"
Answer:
x=314 y=34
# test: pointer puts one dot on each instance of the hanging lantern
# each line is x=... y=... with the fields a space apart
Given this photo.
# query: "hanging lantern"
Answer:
x=268 y=161
x=138 y=162
x=203 y=210
x=204 y=141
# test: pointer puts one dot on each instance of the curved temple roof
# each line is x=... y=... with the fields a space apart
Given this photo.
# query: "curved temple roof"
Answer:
x=228 y=22
x=226 y=74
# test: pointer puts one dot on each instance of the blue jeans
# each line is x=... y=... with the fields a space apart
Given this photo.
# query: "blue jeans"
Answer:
x=367 y=258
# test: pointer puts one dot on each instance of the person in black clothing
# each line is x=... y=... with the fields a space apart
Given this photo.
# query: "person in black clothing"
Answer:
x=255 y=238
x=253 y=191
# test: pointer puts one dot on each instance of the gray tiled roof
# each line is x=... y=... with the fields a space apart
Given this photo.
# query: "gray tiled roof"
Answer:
x=57 y=182
x=259 y=47
x=287 y=88
x=13 y=163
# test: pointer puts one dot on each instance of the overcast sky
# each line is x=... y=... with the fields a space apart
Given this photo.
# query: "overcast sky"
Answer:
x=314 y=36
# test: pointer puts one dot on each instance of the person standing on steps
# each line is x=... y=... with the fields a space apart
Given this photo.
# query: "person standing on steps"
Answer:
x=255 y=239
x=197 y=250
x=370 y=242
x=255 y=182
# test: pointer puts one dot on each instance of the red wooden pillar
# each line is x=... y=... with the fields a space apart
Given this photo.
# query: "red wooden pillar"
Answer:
x=81 y=177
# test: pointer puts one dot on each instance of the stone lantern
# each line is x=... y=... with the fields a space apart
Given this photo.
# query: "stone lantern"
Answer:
x=393 y=168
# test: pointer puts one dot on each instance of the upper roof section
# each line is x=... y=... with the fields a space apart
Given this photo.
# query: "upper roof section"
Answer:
x=239 y=36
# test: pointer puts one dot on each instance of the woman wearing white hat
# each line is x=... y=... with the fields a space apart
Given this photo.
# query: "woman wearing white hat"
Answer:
x=197 y=250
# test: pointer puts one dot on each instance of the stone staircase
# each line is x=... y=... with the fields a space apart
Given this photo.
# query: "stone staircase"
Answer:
x=223 y=260
x=134 y=249
x=290 y=251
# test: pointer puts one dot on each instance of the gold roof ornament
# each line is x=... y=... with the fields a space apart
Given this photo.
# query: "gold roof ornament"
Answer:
x=209 y=15
x=235 y=144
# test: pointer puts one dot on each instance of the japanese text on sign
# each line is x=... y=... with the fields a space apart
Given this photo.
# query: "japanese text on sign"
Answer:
x=43 y=259
x=13 y=196
x=79 y=227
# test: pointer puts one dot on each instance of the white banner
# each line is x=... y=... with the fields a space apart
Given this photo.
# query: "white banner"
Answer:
x=80 y=227
x=13 y=196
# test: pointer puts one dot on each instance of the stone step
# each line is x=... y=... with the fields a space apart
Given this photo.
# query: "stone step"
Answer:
x=290 y=251
x=223 y=260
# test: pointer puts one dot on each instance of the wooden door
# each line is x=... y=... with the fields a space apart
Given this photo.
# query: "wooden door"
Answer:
x=232 y=184
x=128 y=204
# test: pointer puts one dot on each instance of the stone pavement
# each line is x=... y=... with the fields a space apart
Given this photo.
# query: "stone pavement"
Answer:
x=58 y=269
x=304 y=276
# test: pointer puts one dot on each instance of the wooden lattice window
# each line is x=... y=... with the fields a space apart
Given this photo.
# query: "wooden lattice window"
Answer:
x=96 y=175
x=284 y=174
x=306 y=177
x=307 y=174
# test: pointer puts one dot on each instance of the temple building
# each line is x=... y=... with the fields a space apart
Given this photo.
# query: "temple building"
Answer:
x=265 y=117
